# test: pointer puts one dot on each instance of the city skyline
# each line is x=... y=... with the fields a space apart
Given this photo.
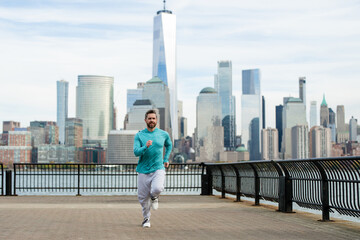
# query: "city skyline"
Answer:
x=44 y=42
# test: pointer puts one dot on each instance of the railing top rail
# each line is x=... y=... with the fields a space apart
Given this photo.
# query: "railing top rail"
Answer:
x=97 y=164
x=321 y=159
x=235 y=163
x=286 y=160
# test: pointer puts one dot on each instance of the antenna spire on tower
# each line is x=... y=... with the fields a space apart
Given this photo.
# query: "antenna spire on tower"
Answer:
x=164 y=10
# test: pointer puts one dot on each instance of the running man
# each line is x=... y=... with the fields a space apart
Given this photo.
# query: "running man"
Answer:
x=148 y=146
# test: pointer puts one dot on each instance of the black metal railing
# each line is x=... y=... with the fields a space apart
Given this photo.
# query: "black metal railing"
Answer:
x=331 y=184
x=327 y=184
x=84 y=178
x=2 y=178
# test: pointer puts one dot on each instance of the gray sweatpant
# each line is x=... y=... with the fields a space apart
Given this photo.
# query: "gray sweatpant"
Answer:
x=149 y=185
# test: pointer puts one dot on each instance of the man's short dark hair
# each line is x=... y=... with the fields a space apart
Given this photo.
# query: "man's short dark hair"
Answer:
x=149 y=112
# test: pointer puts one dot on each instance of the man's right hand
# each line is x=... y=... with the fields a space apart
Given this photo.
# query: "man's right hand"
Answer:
x=148 y=143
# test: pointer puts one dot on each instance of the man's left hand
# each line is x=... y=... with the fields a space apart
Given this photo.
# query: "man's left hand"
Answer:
x=166 y=164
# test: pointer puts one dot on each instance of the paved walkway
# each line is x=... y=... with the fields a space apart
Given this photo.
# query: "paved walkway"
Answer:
x=178 y=217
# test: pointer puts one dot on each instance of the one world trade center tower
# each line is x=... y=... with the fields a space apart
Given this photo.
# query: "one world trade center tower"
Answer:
x=164 y=59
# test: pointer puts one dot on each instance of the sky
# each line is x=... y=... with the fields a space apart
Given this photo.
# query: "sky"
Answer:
x=43 y=41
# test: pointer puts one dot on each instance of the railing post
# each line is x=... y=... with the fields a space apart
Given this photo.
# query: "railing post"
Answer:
x=238 y=184
x=78 y=174
x=285 y=189
x=257 y=186
x=285 y=194
x=206 y=181
x=324 y=193
x=8 y=178
x=222 y=182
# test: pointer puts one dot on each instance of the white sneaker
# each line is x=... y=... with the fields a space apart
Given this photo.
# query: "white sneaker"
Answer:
x=155 y=203
x=146 y=223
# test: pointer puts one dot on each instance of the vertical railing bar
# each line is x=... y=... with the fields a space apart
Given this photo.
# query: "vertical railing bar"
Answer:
x=15 y=165
x=238 y=191
x=127 y=179
x=78 y=178
x=185 y=177
x=2 y=179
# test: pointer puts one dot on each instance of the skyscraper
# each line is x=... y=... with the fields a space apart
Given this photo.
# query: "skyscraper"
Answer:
x=269 y=144
x=353 y=129
x=182 y=121
x=62 y=107
x=263 y=113
x=313 y=114
x=302 y=89
x=300 y=142
x=251 y=119
x=332 y=125
x=279 y=123
x=209 y=141
x=324 y=113
x=319 y=142
x=294 y=113
x=164 y=59
x=223 y=85
x=115 y=112
x=342 y=135
x=95 y=106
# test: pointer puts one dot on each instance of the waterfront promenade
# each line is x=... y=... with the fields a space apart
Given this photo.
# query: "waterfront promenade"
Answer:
x=179 y=217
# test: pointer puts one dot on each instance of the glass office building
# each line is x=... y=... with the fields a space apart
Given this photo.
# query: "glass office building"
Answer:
x=62 y=88
x=209 y=132
x=294 y=113
x=353 y=129
x=164 y=59
x=279 y=123
x=223 y=85
x=251 y=107
x=208 y=111
x=332 y=124
x=95 y=106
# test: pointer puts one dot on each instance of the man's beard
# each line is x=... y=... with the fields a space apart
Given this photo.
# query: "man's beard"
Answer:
x=151 y=125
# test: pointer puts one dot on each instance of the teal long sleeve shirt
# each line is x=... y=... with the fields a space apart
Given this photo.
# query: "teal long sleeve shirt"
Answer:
x=151 y=158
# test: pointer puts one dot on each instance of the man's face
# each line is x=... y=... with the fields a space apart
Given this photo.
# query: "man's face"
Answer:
x=151 y=120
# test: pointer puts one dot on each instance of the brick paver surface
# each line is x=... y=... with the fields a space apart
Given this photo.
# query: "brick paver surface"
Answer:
x=178 y=217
